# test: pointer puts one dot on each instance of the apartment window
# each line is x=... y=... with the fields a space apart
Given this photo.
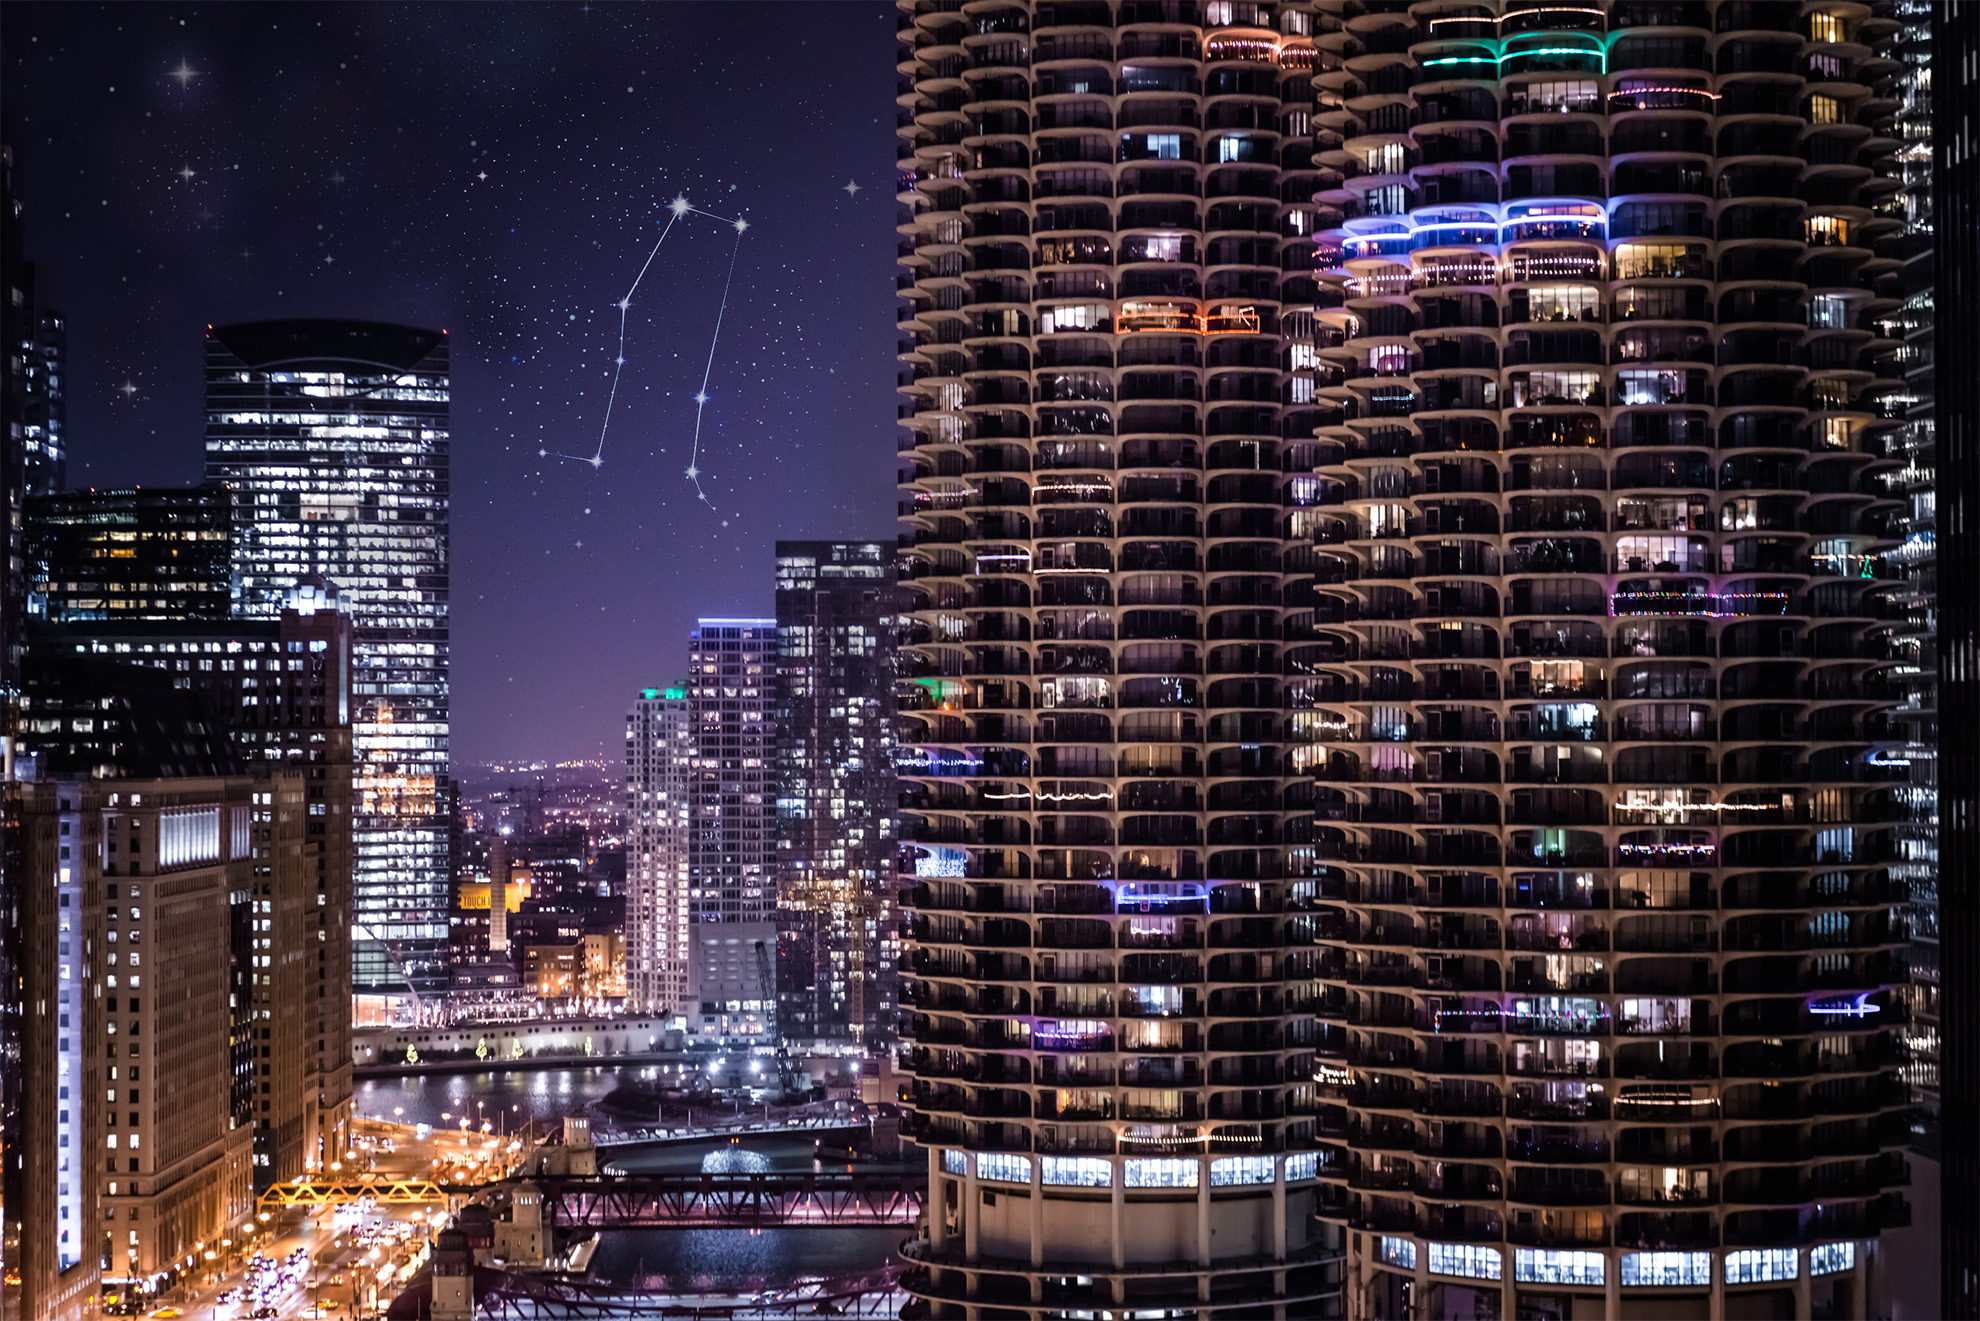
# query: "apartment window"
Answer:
x=1388 y=200
x=1827 y=231
x=1078 y=1171
x=1562 y=303
x=1003 y=1168
x=1664 y=1270
x=1761 y=1265
x=1398 y=1252
x=1824 y=110
x=1560 y=96
x=1828 y=1258
x=1651 y=261
x=1389 y=158
x=1233 y=1170
x=1828 y=312
x=1162 y=1172
x=1826 y=27
x=1555 y=1266
x=1464 y=1259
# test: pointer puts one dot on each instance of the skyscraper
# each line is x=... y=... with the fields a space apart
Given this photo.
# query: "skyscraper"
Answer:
x=659 y=773
x=1956 y=425
x=1109 y=993
x=1601 y=656
x=333 y=438
x=158 y=554
x=732 y=841
x=836 y=790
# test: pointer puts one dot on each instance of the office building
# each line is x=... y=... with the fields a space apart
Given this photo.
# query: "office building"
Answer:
x=273 y=694
x=132 y=555
x=332 y=438
x=1956 y=427
x=732 y=840
x=1597 y=669
x=835 y=791
x=52 y=1198
x=1109 y=992
x=659 y=771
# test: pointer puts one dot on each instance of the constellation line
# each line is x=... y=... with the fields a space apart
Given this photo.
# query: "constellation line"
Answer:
x=679 y=207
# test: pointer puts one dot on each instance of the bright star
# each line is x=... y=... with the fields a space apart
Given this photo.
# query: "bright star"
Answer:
x=185 y=172
x=624 y=303
x=693 y=472
x=128 y=388
x=482 y=175
x=597 y=462
x=741 y=225
x=680 y=205
x=701 y=396
x=185 y=73
x=851 y=189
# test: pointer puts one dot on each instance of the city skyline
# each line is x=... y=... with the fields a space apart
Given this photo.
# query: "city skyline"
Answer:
x=586 y=123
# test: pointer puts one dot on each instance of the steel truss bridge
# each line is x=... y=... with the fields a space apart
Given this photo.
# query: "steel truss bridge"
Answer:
x=523 y=1297
x=734 y=1201
x=386 y=1192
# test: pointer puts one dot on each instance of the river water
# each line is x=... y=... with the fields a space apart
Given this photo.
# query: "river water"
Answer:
x=675 y=1262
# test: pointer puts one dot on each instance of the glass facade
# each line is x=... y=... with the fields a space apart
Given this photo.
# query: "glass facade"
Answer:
x=659 y=772
x=732 y=834
x=131 y=556
x=332 y=437
x=836 y=791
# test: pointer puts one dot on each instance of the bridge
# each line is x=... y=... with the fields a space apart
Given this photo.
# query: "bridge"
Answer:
x=734 y=1201
x=385 y=1191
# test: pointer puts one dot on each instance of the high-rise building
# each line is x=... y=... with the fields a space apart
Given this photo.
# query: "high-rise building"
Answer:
x=659 y=773
x=1599 y=654
x=836 y=792
x=279 y=693
x=332 y=437
x=130 y=555
x=1109 y=991
x=1956 y=427
x=732 y=838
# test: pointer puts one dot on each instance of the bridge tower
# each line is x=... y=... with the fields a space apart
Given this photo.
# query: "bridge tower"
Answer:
x=453 y=1278
x=522 y=1240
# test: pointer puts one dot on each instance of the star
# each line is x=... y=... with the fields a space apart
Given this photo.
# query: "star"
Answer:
x=185 y=73
x=482 y=175
x=741 y=225
x=186 y=172
x=851 y=189
x=693 y=472
x=701 y=396
x=680 y=206
x=624 y=303
x=337 y=177
x=128 y=388
x=597 y=462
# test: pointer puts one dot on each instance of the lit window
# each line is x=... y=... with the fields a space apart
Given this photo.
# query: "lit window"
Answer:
x=1232 y=1170
x=1164 y=1172
x=1465 y=1259
x=1003 y=1168
x=1078 y=1171
x=1398 y=1252
x=1663 y=1270
x=1555 y=1266
x=1761 y=1265
x=1831 y=1257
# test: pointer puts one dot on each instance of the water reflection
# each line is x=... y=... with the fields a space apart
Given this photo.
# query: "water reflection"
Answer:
x=501 y=1096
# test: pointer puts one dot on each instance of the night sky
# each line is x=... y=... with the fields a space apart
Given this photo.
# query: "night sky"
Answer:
x=502 y=172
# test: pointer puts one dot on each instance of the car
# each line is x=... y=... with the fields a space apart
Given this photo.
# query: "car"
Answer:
x=167 y=1313
x=260 y=1313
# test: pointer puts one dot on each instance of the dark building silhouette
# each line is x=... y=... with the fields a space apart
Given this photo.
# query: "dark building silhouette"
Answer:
x=1956 y=418
x=131 y=555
